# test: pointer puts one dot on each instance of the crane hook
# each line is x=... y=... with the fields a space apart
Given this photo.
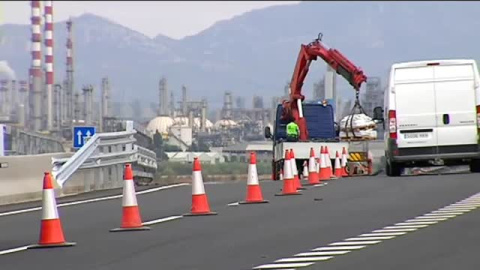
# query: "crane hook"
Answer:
x=320 y=36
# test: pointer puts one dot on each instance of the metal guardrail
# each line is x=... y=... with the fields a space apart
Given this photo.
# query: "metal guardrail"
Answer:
x=104 y=150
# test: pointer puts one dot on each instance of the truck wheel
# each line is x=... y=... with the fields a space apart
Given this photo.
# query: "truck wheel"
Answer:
x=392 y=168
x=475 y=165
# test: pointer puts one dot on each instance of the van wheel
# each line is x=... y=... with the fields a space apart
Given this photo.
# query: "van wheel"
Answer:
x=392 y=168
x=475 y=165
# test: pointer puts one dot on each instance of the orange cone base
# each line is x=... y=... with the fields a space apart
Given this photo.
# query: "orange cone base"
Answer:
x=200 y=206
x=142 y=228
x=64 y=244
x=254 y=195
x=131 y=220
x=289 y=188
x=51 y=235
x=324 y=176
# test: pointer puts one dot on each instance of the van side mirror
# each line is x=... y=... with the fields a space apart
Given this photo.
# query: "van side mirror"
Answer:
x=268 y=133
x=378 y=114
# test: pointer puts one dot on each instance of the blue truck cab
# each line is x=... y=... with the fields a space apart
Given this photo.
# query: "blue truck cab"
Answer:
x=321 y=128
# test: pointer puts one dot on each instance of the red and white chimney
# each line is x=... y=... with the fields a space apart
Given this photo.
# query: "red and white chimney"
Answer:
x=49 y=75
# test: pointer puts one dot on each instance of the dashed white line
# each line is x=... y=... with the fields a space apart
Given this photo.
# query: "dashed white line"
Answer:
x=355 y=243
x=416 y=222
x=8 y=251
x=92 y=200
x=406 y=227
x=338 y=248
x=377 y=236
x=383 y=234
x=160 y=220
x=305 y=259
x=323 y=253
x=283 y=265
x=370 y=238
x=396 y=230
x=234 y=204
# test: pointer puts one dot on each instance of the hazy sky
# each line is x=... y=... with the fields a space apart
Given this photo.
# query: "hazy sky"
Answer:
x=175 y=19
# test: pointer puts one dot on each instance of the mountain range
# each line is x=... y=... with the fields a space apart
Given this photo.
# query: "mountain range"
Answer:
x=254 y=53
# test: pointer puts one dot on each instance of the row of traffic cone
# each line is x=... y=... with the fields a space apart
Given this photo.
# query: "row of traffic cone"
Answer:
x=51 y=231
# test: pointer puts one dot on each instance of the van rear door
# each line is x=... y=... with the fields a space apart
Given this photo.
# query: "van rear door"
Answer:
x=414 y=92
x=455 y=105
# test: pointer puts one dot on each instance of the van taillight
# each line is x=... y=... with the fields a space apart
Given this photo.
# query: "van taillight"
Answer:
x=392 y=124
x=478 y=116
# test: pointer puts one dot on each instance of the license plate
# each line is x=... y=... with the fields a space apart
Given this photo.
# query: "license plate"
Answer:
x=422 y=135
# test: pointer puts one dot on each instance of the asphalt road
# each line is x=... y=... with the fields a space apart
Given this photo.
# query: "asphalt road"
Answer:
x=246 y=236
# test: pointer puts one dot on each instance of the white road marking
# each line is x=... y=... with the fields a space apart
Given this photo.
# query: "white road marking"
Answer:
x=305 y=259
x=416 y=222
x=440 y=218
x=354 y=243
x=3 y=252
x=322 y=253
x=396 y=230
x=370 y=238
x=234 y=204
x=282 y=265
x=320 y=185
x=338 y=248
x=91 y=200
x=160 y=220
x=406 y=227
x=449 y=215
x=377 y=236
x=383 y=234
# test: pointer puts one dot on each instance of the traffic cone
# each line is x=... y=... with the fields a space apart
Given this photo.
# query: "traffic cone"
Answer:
x=324 y=172
x=298 y=183
x=338 y=167
x=289 y=187
x=51 y=232
x=344 y=162
x=200 y=206
x=312 y=169
x=131 y=219
x=305 y=170
x=254 y=191
x=329 y=162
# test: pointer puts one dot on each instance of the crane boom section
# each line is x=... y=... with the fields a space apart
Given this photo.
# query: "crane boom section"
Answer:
x=334 y=59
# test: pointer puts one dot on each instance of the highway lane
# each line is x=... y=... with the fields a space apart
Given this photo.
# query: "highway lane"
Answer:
x=239 y=237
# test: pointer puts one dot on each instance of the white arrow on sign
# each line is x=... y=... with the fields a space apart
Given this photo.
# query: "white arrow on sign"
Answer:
x=88 y=135
x=79 y=136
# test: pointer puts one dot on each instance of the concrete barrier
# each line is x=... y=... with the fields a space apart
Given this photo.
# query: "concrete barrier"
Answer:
x=21 y=178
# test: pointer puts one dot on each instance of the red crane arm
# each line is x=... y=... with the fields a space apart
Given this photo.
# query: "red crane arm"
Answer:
x=334 y=59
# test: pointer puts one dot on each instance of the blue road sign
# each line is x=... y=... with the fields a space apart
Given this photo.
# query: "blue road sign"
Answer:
x=81 y=134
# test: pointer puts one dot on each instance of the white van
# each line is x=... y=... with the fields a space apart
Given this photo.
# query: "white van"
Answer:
x=432 y=114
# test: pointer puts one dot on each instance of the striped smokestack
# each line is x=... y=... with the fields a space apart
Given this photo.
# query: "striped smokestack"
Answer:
x=49 y=75
x=36 y=68
x=70 y=84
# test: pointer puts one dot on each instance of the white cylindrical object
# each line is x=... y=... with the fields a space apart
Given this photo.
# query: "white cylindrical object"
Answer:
x=49 y=207
x=129 y=196
x=197 y=183
x=252 y=175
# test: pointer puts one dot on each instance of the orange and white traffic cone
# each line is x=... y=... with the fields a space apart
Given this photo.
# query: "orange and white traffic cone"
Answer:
x=51 y=231
x=289 y=187
x=254 y=191
x=344 y=162
x=305 y=170
x=324 y=172
x=338 y=166
x=200 y=206
x=329 y=162
x=312 y=169
x=296 y=178
x=131 y=218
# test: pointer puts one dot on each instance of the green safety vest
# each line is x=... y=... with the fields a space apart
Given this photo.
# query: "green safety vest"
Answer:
x=292 y=129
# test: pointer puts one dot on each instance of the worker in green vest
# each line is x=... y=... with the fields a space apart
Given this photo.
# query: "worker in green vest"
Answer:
x=293 y=132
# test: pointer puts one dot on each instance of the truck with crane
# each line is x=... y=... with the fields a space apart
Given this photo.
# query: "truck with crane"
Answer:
x=315 y=119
